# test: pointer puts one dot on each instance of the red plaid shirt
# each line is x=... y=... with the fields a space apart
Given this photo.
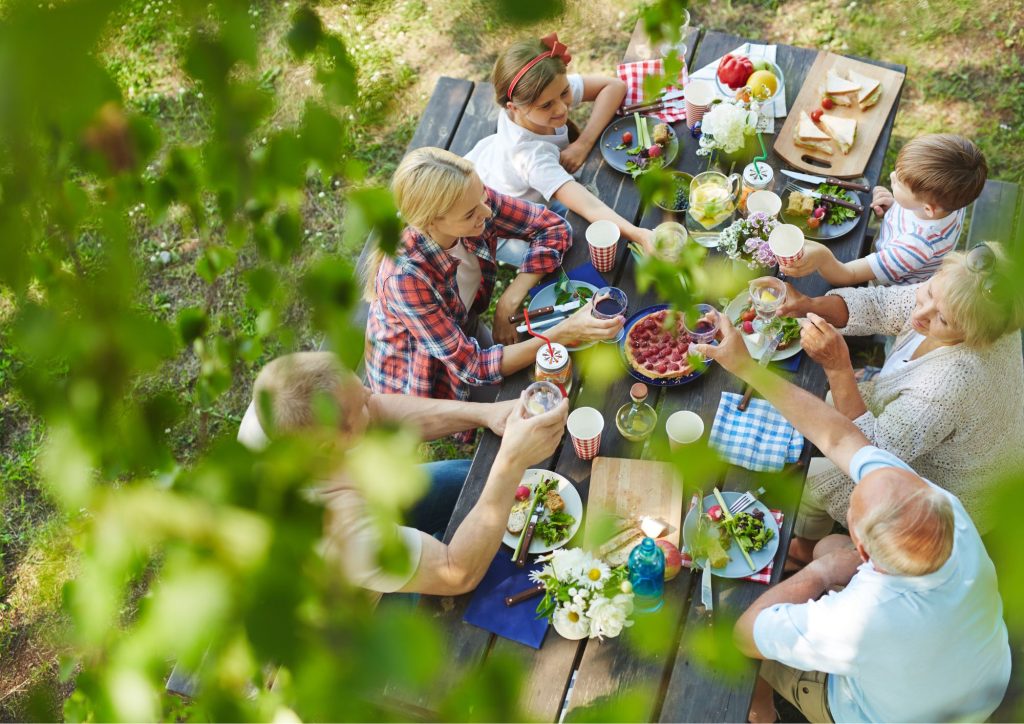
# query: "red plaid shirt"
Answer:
x=415 y=333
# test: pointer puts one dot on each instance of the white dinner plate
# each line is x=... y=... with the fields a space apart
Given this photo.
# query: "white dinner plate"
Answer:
x=573 y=506
x=755 y=343
x=546 y=298
x=737 y=566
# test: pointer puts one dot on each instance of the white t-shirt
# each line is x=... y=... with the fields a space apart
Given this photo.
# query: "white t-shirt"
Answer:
x=901 y=648
x=521 y=163
x=901 y=355
x=351 y=537
x=468 y=275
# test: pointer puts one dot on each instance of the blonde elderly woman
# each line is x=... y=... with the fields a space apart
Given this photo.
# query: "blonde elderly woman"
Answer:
x=947 y=400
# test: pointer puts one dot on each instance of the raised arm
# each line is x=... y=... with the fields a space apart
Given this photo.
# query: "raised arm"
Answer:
x=835 y=435
x=576 y=196
x=455 y=568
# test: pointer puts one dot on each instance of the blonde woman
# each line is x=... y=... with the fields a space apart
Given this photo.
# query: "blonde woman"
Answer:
x=537 y=148
x=948 y=399
x=423 y=336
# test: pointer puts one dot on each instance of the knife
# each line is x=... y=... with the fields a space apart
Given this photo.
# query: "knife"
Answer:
x=705 y=588
x=543 y=311
x=524 y=595
x=640 y=106
x=542 y=324
x=849 y=185
x=768 y=351
x=833 y=200
x=531 y=528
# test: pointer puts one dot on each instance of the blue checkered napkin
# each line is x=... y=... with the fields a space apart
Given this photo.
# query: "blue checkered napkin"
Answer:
x=759 y=439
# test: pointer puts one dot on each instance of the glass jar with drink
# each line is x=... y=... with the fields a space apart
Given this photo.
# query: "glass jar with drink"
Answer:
x=713 y=198
x=553 y=364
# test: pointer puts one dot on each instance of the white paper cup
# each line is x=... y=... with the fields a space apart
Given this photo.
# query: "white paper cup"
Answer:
x=697 y=97
x=683 y=428
x=603 y=239
x=585 y=425
x=787 y=243
x=764 y=201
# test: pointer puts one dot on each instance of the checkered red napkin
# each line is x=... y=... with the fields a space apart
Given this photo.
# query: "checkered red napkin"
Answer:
x=633 y=74
x=762 y=576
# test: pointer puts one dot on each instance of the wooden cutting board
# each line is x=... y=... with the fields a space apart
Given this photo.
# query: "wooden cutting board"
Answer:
x=869 y=122
x=635 y=488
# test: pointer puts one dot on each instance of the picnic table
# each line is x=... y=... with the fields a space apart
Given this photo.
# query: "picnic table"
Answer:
x=676 y=682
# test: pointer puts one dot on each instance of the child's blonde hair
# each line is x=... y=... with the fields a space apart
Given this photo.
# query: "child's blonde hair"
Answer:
x=426 y=185
x=533 y=82
x=292 y=382
x=943 y=169
x=980 y=303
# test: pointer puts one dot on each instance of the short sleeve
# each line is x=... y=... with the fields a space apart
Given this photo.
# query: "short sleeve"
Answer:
x=250 y=432
x=576 y=88
x=812 y=636
x=354 y=541
x=538 y=163
x=870 y=458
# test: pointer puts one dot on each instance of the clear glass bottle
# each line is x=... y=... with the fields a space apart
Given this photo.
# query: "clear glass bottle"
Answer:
x=636 y=420
x=647 y=574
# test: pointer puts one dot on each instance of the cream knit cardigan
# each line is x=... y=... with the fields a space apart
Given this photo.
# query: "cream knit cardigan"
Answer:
x=955 y=414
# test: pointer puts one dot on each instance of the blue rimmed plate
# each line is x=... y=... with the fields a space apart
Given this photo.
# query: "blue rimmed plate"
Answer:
x=674 y=382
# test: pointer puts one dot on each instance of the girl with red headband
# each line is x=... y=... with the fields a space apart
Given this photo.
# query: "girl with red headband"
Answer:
x=537 y=148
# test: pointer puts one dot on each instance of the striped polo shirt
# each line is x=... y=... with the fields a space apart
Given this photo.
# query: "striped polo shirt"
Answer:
x=909 y=249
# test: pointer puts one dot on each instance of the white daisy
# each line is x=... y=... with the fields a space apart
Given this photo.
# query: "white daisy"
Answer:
x=595 y=574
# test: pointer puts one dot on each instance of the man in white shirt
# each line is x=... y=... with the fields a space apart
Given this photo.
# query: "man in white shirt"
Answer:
x=353 y=538
x=916 y=632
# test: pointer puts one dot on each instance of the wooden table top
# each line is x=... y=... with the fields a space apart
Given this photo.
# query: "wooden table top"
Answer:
x=675 y=663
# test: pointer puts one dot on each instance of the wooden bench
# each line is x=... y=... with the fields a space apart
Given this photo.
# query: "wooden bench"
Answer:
x=998 y=215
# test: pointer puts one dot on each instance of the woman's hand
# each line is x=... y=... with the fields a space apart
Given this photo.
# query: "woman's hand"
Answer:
x=825 y=345
x=574 y=155
x=583 y=326
x=509 y=303
x=795 y=304
x=881 y=200
x=731 y=351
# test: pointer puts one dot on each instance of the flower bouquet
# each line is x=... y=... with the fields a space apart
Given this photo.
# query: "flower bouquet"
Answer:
x=729 y=128
x=746 y=240
x=583 y=596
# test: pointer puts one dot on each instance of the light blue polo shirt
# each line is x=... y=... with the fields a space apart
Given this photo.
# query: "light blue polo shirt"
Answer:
x=898 y=648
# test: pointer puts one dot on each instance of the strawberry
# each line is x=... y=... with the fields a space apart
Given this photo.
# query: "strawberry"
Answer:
x=654 y=151
x=827 y=103
x=627 y=137
x=816 y=114
x=748 y=326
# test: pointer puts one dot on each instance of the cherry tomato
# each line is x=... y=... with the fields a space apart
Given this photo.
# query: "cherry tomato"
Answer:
x=827 y=103
x=816 y=114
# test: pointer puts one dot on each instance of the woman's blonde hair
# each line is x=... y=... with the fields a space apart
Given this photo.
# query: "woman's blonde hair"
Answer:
x=980 y=303
x=426 y=185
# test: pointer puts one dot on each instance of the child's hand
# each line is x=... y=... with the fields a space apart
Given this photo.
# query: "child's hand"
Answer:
x=574 y=156
x=881 y=200
x=815 y=255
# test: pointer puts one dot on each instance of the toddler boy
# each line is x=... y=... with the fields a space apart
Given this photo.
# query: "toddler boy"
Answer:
x=936 y=177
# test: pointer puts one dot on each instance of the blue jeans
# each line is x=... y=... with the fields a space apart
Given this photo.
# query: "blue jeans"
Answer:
x=433 y=512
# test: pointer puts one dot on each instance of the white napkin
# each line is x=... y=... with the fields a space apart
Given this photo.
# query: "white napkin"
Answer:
x=755 y=52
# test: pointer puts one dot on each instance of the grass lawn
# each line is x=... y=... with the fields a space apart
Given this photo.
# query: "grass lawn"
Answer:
x=965 y=75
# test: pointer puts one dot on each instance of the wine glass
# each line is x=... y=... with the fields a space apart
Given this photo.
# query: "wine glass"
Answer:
x=766 y=296
x=609 y=302
x=702 y=324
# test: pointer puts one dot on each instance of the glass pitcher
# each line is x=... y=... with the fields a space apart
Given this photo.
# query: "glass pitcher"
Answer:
x=713 y=199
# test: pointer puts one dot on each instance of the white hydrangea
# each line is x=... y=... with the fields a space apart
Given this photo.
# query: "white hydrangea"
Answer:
x=725 y=127
x=608 y=616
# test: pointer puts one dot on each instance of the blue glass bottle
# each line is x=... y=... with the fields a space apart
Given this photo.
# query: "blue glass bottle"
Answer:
x=647 y=574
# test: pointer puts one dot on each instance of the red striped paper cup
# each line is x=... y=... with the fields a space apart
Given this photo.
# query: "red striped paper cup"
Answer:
x=697 y=97
x=603 y=239
x=585 y=425
x=787 y=243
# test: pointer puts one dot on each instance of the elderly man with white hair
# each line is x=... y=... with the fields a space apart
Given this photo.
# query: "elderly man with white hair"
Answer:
x=916 y=632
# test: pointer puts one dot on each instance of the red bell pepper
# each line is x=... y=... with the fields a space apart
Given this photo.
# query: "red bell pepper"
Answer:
x=734 y=70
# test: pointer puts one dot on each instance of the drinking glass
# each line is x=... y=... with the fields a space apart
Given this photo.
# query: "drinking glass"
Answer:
x=713 y=198
x=678 y=48
x=609 y=302
x=766 y=296
x=541 y=397
x=702 y=324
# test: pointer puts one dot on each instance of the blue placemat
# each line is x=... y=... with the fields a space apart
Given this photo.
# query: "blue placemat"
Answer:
x=583 y=273
x=487 y=608
x=791 y=364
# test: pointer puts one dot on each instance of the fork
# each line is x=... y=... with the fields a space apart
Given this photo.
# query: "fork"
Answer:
x=745 y=501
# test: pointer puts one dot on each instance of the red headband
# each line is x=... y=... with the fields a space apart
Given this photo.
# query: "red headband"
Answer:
x=557 y=50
